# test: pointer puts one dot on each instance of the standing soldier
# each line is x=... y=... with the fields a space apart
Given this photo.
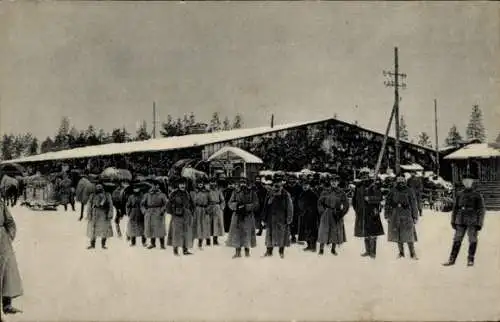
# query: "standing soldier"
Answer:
x=243 y=203
x=227 y=191
x=135 y=225
x=66 y=192
x=416 y=184
x=10 y=279
x=333 y=205
x=99 y=216
x=261 y=192
x=401 y=212
x=295 y=190
x=308 y=216
x=278 y=216
x=153 y=206
x=201 y=225
x=366 y=203
x=180 y=207
x=467 y=217
x=216 y=204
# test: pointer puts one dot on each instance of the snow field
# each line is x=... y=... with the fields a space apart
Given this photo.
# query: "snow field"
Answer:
x=64 y=281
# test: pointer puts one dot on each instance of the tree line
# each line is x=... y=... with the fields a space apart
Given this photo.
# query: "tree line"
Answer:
x=67 y=136
x=475 y=130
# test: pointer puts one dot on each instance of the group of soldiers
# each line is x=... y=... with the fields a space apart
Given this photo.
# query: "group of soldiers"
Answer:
x=310 y=210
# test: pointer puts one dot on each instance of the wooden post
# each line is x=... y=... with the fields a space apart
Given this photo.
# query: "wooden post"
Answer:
x=384 y=143
x=396 y=107
x=437 y=140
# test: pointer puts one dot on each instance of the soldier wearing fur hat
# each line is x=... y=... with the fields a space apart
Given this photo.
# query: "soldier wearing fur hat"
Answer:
x=308 y=215
x=243 y=202
x=180 y=231
x=333 y=205
x=278 y=216
x=202 y=222
x=467 y=218
x=366 y=204
x=99 y=216
x=153 y=206
x=401 y=212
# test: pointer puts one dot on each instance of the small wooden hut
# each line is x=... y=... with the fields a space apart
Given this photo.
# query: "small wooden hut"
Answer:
x=235 y=162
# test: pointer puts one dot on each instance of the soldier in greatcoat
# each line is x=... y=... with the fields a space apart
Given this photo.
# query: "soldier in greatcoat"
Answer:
x=135 y=225
x=308 y=215
x=84 y=189
x=401 y=212
x=295 y=190
x=202 y=222
x=227 y=190
x=66 y=193
x=10 y=279
x=216 y=204
x=153 y=206
x=366 y=204
x=99 y=216
x=416 y=184
x=333 y=205
x=278 y=216
x=261 y=192
x=467 y=218
x=180 y=207
x=243 y=202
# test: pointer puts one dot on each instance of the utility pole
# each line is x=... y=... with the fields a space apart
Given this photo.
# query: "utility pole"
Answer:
x=437 y=140
x=396 y=84
x=154 y=120
x=272 y=121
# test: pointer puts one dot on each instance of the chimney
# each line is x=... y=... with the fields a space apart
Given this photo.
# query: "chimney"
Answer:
x=272 y=121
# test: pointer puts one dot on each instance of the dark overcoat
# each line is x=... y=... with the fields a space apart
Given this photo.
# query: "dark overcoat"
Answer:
x=416 y=184
x=135 y=225
x=469 y=209
x=308 y=216
x=333 y=205
x=278 y=216
x=228 y=213
x=202 y=219
x=66 y=191
x=99 y=216
x=9 y=271
x=366 y=204
x=401 y=212
x=243 y=202
x=180 y=231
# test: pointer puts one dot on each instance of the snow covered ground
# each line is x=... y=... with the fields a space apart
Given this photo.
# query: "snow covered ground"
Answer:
x=63 y=281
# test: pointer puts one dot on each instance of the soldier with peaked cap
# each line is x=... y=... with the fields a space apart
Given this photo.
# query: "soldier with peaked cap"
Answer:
x=202 y=221
x=366 y=204
x=401 y=212
x=99 y=216
x=243 y=202
x=154 y=206
x=278 y=216
x=135 y=225
x=180 y=231
x=333 y=205
x=308 y=215
x=467 y=218
x=216 y=204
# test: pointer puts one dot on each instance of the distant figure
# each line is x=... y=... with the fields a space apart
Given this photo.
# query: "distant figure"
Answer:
x=467 y=217
x=10 y=279
x=401 y=212
x=66 y=193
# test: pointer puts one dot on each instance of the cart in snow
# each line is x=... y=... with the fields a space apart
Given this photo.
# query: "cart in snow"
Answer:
x=40 y=194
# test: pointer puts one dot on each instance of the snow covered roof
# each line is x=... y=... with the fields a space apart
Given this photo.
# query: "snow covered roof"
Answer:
x=172 y=143
x=231 y=151
x=476 y=150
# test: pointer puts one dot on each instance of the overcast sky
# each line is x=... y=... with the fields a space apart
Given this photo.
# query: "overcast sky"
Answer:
x=105 y=63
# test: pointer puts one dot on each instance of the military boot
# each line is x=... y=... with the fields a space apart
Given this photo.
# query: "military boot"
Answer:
x=472 y=254
x=401 y=248
x=216 y=241
x=455 y=249
x=153 y=243
x=321 y=249
x=162 y=242
x=247 y=252
x=334 y=249
x=373 y=248
x=269 y=252
x=92 y=244
x=282 y=252
x=237 y=253
x=103 y=243
x=413 y=254
x=176 y=251
x=367 y=248
x=186 y=252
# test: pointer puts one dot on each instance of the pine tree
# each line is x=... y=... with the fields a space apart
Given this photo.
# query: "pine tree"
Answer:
x=47 y=145
x=7 y=146
x=61 y=140
x=454 y=138
x=424 y=140
x=142 y=133
x=170 y=128
x=226 y=125
x=475 y=128
x=215 y=125
x=33 y=148
x=403 y=130
x=238 y=121
x=119 y=136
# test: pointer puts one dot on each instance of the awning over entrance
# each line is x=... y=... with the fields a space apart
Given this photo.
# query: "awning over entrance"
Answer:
x=234 y=154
